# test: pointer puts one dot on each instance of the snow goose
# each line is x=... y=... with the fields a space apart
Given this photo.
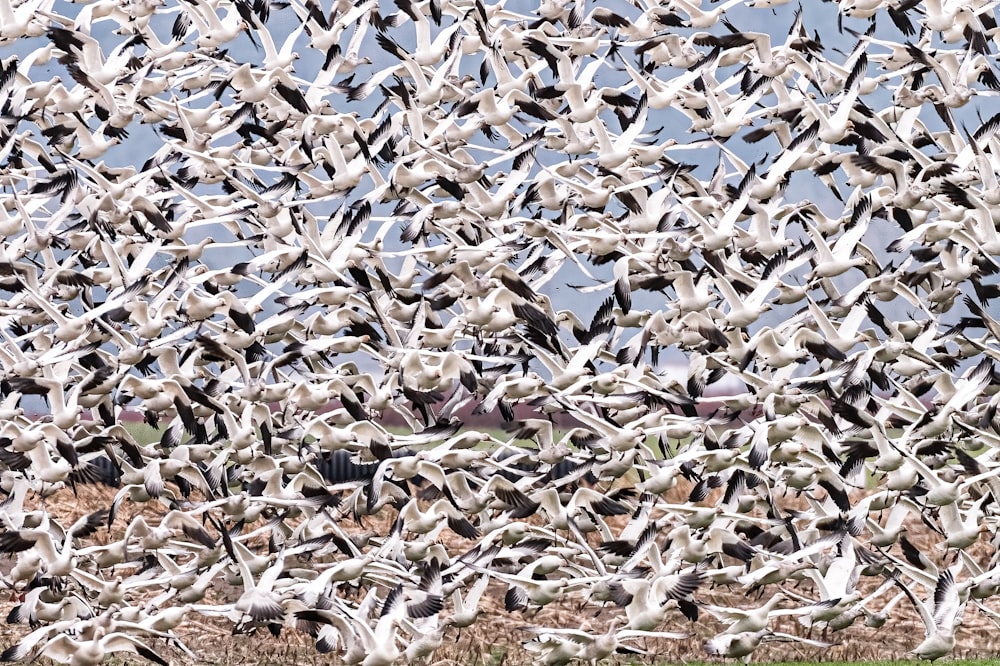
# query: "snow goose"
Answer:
x=335 y=630
x=941 y=493
x=709 y=113
x=765 y=571
x=669 y=49
x=883 y=536
x=23 y=20
x=41 y=605
x=836 y=587
x=832 y=128
x=953 y=20
x=84 y=51
x=429 y=49
x=325 y=33
x=744 y=310
x=753 y=620
x=963 y=531
x=799 y=154
x=422 y=522
x=258 y=603
x=614 y=152
x=780 y=351
x=465 y=610
x=213 y=30
x=523 y=589
x=691 y=297
x=700 y=19
x=941 y=616
x=609 y=435
x=47 y=469
x=846 y=253
x=370 y=566
x=596 y=647
x=427 y=635
x=659 y=94
x=91 y=145
x=554 y=648
x=744 y=643
x=29 y=564
x=378 y=646
x=91 y=651
x=172 y=524
x=65 y=327
x=647 y=600
x=513 y=387
x=37 y=638
x=873 y=619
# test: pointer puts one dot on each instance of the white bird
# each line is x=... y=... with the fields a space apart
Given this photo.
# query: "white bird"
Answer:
x=751 y=621
x=596 y=647
x=940 y=614
x=92 y=651
x=744 y=643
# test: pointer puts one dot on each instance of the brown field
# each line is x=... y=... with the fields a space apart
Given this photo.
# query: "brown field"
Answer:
x=498 y=636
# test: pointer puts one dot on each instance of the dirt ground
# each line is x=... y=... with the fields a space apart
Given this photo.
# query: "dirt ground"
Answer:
x=498 y=636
